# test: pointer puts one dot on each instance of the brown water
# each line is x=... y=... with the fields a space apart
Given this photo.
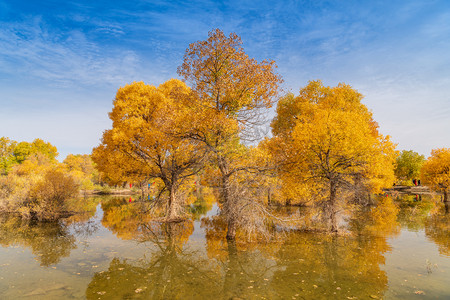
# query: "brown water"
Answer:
x=111 y=252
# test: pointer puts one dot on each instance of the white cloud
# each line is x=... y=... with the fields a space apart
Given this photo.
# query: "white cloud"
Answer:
x=62 y=58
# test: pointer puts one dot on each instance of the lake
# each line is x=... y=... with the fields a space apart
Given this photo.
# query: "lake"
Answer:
x=111 y=251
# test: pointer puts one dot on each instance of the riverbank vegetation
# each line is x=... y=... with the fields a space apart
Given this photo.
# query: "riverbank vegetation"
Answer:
x=205 y=138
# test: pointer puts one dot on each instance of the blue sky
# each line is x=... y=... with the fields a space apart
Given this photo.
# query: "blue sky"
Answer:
x=61 y=62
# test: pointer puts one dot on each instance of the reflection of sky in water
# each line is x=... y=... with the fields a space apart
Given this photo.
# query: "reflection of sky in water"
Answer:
x=98 y=264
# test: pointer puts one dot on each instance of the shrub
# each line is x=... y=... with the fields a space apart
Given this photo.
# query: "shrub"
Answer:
x=40 y=195
x=47 y=197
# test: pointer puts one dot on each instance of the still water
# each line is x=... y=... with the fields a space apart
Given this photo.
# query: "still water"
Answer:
x=111 y=252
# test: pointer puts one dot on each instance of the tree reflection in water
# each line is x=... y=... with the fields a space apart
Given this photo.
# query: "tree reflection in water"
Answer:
x=170 y=272
x=48 y=241
x=303 y=265
x=415 y=211
x=437 y=228
x=294 y=265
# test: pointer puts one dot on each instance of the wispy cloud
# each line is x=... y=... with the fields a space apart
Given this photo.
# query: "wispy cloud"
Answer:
x=31 y=49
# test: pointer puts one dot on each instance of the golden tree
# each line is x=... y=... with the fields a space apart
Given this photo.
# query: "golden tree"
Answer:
x=326 y=141
x=436 y=171
x=233 y=90
x=82 y=168
x=142 y=144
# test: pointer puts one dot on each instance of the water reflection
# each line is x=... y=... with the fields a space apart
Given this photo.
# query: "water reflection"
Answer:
x=415 y=210
x=437 y=229
x=147 y=259
x=167 y=272
x=303 y=266
x=380 y=220
x=48 y=241
x=124 y=218
x=324 y=267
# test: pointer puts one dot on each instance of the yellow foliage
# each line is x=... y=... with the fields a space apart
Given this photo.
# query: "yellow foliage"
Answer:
x=328 y=134
x=82 y=168
x=226 y=79
x=38 y=187
x=436 y=170
x=147 y=139
x=325 y=140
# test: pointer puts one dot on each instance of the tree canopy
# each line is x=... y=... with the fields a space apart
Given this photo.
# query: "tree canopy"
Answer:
x=13 y=153
x=408 y=165
x=436 y=171
x=143 y=144
x=325 y=141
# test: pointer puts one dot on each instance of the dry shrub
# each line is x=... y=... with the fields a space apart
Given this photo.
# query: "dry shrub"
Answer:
x=47 y=197
x=40 y=195
x=14 y=191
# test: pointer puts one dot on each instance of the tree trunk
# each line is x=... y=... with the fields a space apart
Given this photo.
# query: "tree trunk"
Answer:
x=229 y=210
x=369 y=199
x=172 y=207
x=445 y=195
x=332 y=206
x=232 y=226
x=228 y=204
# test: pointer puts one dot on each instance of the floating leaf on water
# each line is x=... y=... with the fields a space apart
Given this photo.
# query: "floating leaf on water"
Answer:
x=419 y=292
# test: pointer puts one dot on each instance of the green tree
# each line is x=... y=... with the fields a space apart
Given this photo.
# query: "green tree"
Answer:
x=408 y=165
x=24 y=149
x=7 y=158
